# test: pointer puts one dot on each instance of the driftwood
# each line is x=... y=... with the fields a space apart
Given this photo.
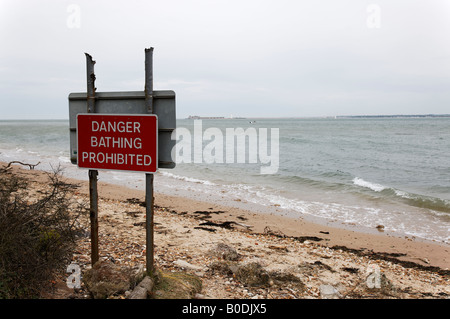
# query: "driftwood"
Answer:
x=142 y=290
x=32 y=166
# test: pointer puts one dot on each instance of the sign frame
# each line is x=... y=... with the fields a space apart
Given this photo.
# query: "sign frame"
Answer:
x=130 y=102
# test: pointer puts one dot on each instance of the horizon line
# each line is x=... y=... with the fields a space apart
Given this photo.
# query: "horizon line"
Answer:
x=264 y=117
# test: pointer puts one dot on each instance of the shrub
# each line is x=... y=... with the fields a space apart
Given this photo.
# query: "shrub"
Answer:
x=37 y=233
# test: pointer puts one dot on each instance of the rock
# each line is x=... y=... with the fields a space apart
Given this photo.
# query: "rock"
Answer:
x=221 y=268
x=286 y=279
x=224 y=251
x=329 y=292
x=184 y=264
x=105 y=279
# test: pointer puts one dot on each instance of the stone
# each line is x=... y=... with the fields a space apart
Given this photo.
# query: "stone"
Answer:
x=221 y=268
x=106 y=279
x=225 y=252
x=329 y=292
x=286 y=279
x=184 y=264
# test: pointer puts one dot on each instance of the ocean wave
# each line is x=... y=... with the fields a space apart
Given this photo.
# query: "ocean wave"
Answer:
x=64 y=159
x=416 y=200
x=187 y=179
x=373 y=186
x=433 y=203
x=427 y=224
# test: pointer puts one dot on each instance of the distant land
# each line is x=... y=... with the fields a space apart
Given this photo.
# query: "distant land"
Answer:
x=392 y=116
x=196 y=117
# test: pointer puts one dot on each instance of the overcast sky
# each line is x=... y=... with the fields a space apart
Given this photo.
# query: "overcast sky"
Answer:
x=275 y=58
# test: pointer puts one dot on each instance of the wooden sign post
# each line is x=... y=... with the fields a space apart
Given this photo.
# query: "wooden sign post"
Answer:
x=122 y=131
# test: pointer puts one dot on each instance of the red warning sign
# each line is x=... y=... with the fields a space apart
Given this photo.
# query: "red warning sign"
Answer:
x=118 y=142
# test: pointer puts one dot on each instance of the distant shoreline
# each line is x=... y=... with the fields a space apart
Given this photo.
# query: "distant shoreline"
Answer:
x=394 y=116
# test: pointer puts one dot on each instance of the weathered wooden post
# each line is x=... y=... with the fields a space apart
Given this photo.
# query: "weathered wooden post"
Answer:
x=149 y=201
x=93 y=194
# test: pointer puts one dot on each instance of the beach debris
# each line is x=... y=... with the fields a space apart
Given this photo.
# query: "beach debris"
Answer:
x=279 y=248
x=200 y=212
x=303 y=239
x=226 y=224
x=207 y=229
x=133 y=214
x=207 y=214
x=136 y=201
x=351 y=270
x=31 y=166
x=269 y=231
x=425 y=260
x=286 y=280
x=140 y=224
x=277 y=233
x=313 y=268
x=252 y=274
x=380 y=228
x=143 y=289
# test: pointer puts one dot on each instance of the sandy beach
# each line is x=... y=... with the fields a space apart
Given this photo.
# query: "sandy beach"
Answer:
x=188 y=232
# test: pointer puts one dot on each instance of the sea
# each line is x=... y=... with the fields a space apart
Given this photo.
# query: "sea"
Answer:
x=352 y=173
